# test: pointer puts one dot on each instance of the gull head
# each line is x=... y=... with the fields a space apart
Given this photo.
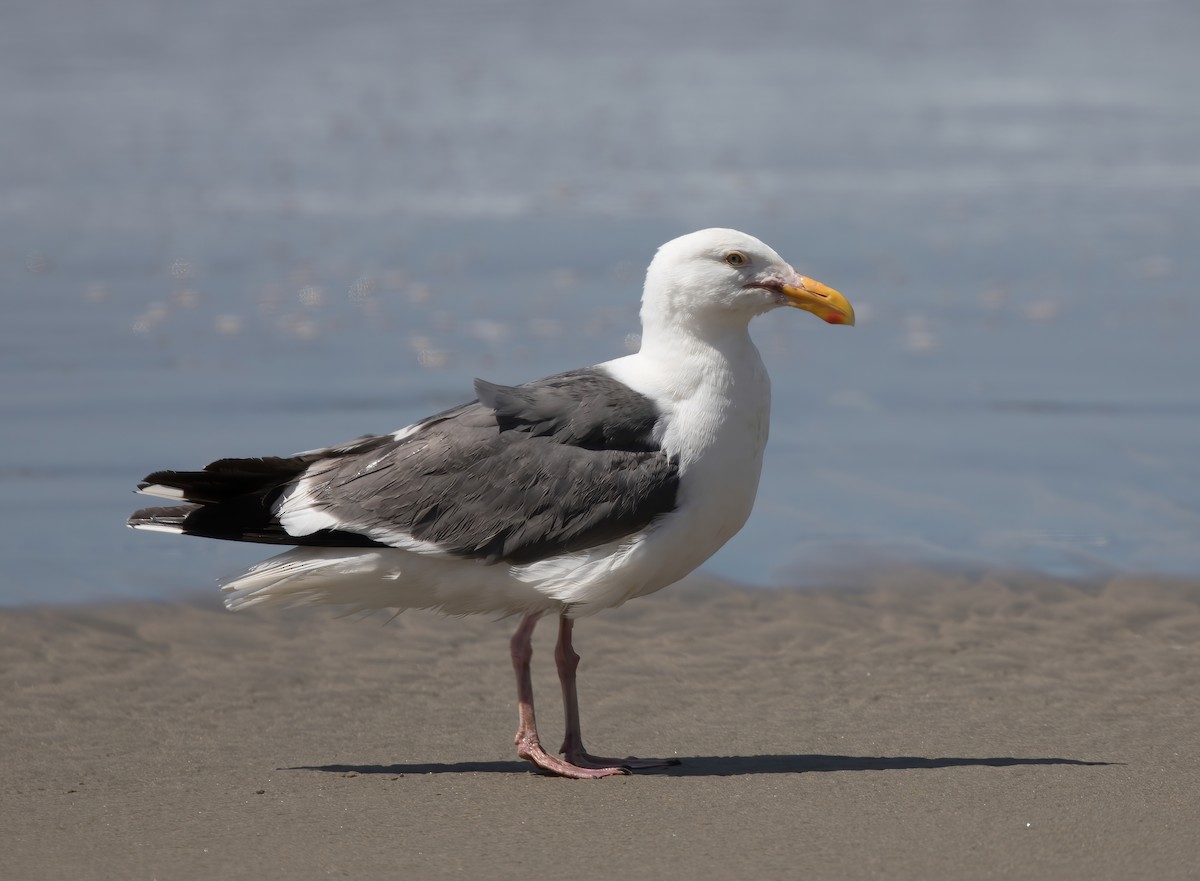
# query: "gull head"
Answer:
x=718 y=277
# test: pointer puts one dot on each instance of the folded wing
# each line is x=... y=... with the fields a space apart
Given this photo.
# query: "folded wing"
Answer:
x=526 y=472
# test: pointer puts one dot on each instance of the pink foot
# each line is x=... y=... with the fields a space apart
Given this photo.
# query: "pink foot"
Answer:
x=531 y=751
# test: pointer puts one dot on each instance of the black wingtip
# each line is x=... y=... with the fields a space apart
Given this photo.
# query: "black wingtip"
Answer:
x=163 y=515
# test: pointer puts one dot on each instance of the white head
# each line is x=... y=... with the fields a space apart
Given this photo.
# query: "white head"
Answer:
x=720 y=278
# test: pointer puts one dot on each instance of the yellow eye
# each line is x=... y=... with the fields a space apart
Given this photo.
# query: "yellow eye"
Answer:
x=736 y=258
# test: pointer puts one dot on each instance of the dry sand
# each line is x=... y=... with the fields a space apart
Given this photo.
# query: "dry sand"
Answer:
x=926 y=726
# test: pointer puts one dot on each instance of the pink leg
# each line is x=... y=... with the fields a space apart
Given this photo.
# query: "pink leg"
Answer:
x=528 y=745
x=572 y=748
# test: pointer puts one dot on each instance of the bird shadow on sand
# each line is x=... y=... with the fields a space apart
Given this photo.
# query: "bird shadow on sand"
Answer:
x=724 y=766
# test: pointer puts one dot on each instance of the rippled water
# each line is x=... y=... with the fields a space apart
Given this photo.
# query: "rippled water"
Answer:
x=247 y=228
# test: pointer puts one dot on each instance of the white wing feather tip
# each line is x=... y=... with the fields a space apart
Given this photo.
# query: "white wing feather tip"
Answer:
x=162 y=491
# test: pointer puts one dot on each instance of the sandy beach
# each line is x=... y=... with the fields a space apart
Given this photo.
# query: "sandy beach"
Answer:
x=912 y=725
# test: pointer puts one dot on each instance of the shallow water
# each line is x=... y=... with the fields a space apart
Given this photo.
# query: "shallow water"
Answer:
x=251 y=228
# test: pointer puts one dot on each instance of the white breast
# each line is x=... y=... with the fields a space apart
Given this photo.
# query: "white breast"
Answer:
x=715 y=420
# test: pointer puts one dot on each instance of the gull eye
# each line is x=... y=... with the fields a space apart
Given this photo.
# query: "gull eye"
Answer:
x=736 y=258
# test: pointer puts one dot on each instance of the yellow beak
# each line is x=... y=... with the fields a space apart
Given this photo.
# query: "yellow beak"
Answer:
x=824 y=302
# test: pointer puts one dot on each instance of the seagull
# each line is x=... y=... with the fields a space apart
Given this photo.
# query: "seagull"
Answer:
x=567 y=495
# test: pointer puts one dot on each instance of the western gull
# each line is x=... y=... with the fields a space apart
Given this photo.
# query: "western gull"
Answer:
x=566 y=495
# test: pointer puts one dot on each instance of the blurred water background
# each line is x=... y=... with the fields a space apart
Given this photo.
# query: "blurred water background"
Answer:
x=255 y=227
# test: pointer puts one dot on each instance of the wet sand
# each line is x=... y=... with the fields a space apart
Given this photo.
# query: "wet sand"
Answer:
x=909 y=725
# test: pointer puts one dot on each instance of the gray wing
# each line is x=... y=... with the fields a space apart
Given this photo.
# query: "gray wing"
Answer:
x=527 y=472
